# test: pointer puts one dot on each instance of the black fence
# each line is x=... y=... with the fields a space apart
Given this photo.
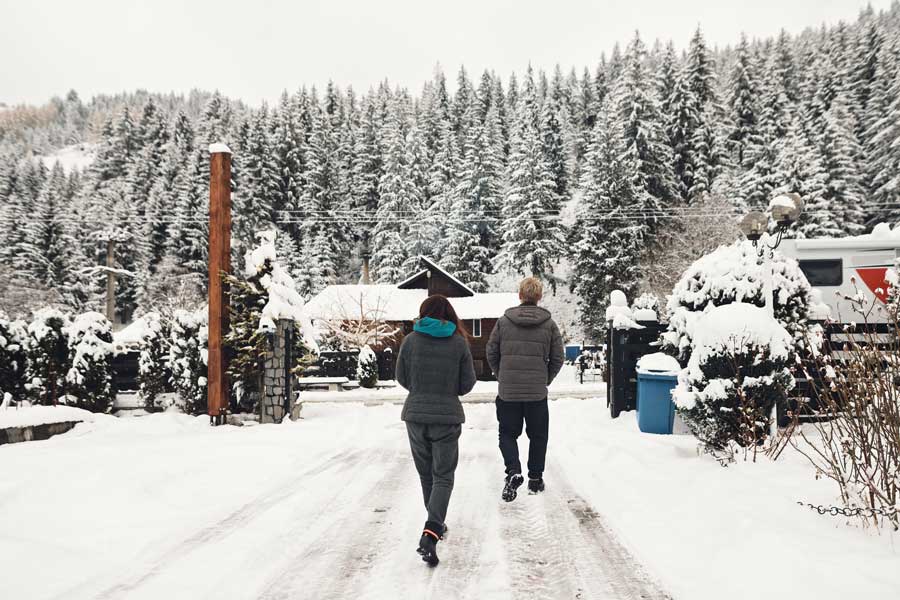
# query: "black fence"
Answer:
x=804 y=401
x=332 y=363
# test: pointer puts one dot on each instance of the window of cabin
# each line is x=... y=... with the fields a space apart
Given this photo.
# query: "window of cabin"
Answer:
x=474 y=326
x=823 y=272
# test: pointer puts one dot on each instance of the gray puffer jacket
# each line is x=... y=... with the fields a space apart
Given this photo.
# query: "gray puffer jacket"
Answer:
x=436 y=371
x=525 y=353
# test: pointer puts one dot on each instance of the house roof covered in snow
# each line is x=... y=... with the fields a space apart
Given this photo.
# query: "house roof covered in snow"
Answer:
x=390 y=303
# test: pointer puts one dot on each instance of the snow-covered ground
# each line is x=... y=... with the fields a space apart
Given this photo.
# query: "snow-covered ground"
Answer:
x=76 y=157
x=329 y=507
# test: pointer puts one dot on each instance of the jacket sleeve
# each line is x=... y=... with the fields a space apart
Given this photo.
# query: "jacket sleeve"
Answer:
x=400 y=367
x=466 y=371
x=557 y=353
x=493 y=349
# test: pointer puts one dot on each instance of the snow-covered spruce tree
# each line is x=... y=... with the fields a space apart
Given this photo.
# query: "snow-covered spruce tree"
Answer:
x=90 y=355
x=367 y=368
x=188 y=357
x=531 y=237
x=799 y=169
x=47 y=349
x=646 y=149
x=258 y=194
x=735 y=373
x=261 y=294
x=154 y=374
x=606 y=243
x=743 y=101
x=465 y=253
x=841 y=154
x=12 y=359
x=398 y=195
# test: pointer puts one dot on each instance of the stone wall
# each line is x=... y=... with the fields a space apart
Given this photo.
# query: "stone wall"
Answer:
x=277 y=389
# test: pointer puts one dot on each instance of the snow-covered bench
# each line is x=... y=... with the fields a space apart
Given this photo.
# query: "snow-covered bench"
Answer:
x=333 y=384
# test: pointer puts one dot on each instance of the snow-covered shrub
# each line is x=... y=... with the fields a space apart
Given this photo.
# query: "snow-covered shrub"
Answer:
x=736 y=273
x=646 y=301
x=12 y=359
x=367 y=368
x=737 y=371
x=741 y=369
x=188 y=358
x=264 y=294
x=89 y=377
x=154 y=375
x=47 y=351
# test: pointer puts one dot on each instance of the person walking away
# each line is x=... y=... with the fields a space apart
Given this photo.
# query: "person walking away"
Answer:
x=435 y=365
x=525 y=353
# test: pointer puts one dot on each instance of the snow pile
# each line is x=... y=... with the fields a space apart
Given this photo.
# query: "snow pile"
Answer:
x=618 y=313
x=284 y=301
x=882 y=231
x=658 y=363
x=29 y=416
x=622 y=316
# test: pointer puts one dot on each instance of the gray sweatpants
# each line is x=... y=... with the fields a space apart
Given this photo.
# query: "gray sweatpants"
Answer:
x=435 y=450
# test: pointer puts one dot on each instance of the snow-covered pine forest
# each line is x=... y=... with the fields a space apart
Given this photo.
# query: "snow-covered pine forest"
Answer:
x=585 y=176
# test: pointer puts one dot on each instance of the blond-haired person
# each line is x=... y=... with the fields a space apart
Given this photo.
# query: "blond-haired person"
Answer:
x=525 y=353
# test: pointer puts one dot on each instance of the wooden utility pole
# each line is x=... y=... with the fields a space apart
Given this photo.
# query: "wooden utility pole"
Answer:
x=219 y=263
x=110 y=280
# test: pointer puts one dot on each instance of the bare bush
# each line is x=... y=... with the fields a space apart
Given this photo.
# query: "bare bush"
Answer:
x=854 y=438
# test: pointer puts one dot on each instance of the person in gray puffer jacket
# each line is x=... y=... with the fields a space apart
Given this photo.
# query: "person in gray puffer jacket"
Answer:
x=435 y=365
x=525 y=353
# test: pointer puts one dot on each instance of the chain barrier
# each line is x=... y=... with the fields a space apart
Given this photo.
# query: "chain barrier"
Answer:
x=856 y=511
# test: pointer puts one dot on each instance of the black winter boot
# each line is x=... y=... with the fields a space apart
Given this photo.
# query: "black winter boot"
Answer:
x=428 y=543
x=513 y=481
x=535 y=485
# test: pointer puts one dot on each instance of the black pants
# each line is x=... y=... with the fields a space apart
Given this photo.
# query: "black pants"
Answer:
x=435 y=450
x=537 y=425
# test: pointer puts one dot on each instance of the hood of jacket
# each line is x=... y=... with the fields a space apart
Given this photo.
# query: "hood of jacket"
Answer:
x=434 y=327
x=527 y=315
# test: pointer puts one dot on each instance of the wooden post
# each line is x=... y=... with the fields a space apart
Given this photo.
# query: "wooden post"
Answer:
x=110 y=280
x=219 y=262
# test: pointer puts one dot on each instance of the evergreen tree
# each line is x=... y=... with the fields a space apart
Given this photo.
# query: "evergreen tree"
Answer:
x=606 y=242
x=532 y=237
x=841 y=154
x=649 y=158
x=47 y=349
x=258 y=195
x=89 y=377
x=12 y=359
x=799 y=169
x=743 y=97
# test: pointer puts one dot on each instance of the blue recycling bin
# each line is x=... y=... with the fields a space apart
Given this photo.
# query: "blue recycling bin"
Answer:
x=655 y=408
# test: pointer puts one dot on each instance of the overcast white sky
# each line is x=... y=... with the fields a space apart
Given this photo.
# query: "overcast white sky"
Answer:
x=252 y=49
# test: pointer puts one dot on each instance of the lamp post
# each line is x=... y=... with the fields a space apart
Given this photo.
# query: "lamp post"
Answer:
x=785 y=209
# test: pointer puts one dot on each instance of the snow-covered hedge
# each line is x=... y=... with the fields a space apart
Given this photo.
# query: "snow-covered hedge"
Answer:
x=730 y=274
x=89 y=377
x=737 y=354
x=737 y=371
x=154 y=373
x=12 y=359
x=188 y=358
x=47 y=351
x=367 y=368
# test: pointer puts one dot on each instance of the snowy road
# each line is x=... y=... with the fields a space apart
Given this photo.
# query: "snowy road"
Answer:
x=330 y=507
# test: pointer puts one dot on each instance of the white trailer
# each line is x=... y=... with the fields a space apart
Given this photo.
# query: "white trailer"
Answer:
x=840 y=267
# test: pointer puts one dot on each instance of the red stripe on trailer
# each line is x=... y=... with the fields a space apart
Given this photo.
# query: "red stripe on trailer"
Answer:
x=873 y=277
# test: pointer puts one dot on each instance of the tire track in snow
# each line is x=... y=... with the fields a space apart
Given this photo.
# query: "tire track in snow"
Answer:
x=239 y=518
x=461 y=552
x=339 y=555
x=558 y=546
